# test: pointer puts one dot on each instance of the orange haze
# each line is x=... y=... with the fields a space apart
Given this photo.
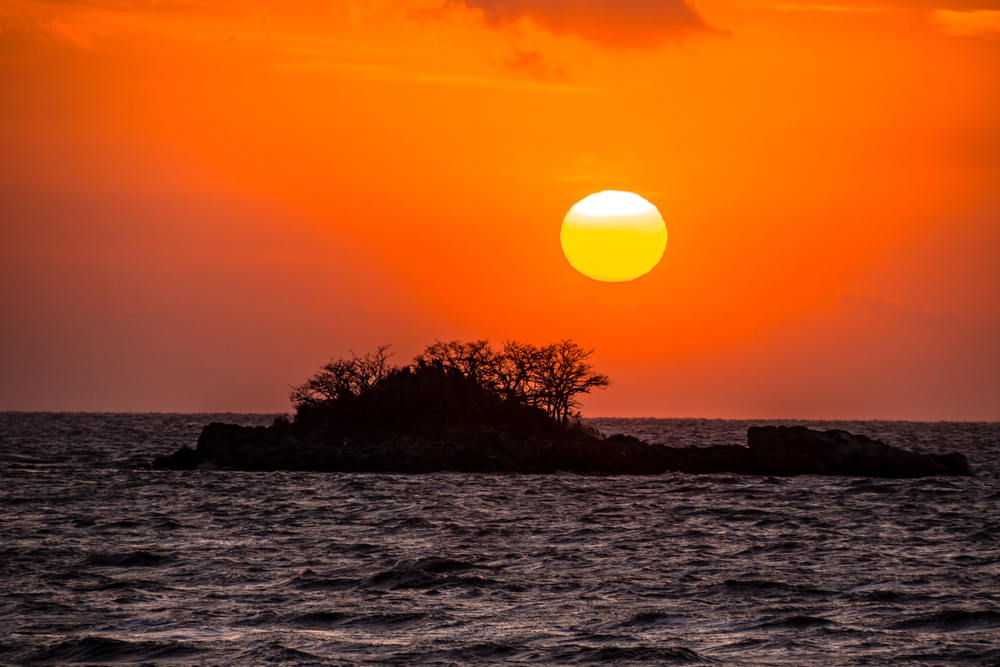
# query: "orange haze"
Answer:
x=203 y=201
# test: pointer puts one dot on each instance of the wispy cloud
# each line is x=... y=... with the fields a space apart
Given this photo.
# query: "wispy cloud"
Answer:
x=977 y=23
x=829 y=8
x=530 y=63
x=635 y=24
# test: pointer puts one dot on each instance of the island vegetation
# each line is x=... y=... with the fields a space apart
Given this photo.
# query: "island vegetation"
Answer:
x=471 y=407
x=523 y=387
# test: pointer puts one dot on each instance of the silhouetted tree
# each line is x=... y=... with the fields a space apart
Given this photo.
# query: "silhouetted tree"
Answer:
x=474 y=360
x=343 y=379
x=515 y=372
x=561 y=374
x=550 y=377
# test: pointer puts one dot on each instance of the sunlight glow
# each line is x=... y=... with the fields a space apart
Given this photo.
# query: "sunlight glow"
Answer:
x=612 y=203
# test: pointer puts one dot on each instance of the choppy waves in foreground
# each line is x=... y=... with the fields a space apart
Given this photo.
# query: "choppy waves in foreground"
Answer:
x=106 y=565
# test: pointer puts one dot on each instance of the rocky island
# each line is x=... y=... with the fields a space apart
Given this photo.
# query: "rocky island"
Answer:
x=464 y=407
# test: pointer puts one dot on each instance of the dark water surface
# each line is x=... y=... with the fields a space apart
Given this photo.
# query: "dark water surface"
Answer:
x=100 y=564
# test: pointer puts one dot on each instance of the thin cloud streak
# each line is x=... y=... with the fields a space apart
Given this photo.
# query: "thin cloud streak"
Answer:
x=639 y=24
x=978 y=23
x=830 y=8
x=399 y=75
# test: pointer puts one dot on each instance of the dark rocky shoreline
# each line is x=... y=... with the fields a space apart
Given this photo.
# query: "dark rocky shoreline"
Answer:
x=771 y=451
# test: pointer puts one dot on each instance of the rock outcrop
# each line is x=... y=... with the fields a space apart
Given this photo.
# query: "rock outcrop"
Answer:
x=772 y=451
x=797 y=450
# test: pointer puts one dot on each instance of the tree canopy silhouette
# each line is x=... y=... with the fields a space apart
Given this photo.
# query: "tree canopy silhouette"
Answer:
x=451 y=383
x=343 y=379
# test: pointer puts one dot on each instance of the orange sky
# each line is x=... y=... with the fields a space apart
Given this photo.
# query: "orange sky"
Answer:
x=201 y=202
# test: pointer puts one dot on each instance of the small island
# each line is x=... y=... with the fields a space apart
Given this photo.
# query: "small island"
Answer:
x=468 y=407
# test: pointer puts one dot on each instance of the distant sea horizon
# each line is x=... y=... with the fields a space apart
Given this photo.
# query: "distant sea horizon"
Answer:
x=584 y=416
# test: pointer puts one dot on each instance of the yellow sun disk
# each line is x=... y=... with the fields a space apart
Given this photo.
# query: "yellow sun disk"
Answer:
x=614 y=248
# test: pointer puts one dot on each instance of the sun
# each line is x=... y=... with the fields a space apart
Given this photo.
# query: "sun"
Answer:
x=613 y=236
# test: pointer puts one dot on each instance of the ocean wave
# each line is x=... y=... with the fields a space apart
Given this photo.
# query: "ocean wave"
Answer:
x=953 y=620
x=140 y=558
x=620 y=655
x=108 y=649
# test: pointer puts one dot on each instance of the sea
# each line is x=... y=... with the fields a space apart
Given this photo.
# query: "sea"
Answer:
x=103 y=563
